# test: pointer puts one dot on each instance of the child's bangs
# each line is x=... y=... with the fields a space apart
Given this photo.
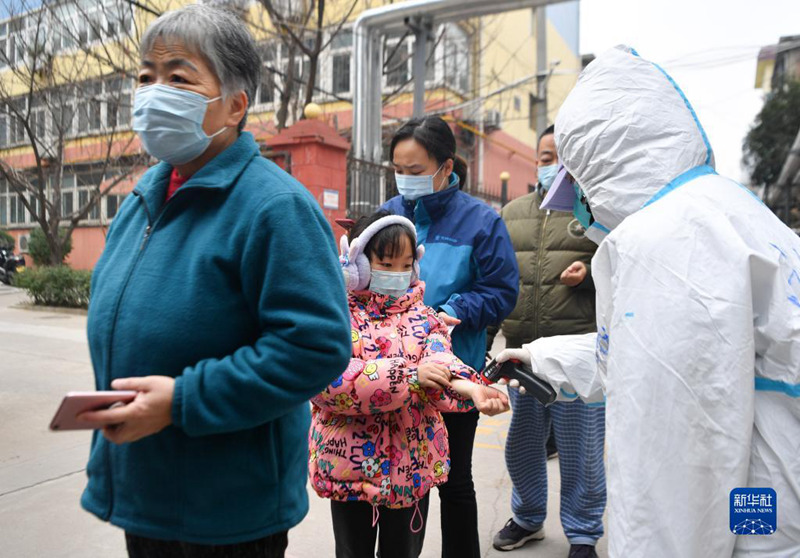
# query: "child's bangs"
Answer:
x=390 y=242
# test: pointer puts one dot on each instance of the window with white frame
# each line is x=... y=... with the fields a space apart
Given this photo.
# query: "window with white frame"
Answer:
x=398 y=62
x=302 y=68
x=118 y=18
x=98 y=106
x=23 y=37
x=113 y=203
x=3 y=203
x=87 y=183
x=12 y=207
x=118 y=102
x=90 y=112
x=63 y=105
x=12 y=123
x=456 y=57
x=67 y=195
x=17 y=210
x=65 y=27
x=276 y=56
x=289 y=10
x=84 y=22
x=95 y=107
x=340 y=54
x=4 y=45
x=35 y=209
x=266 y=88
x=76 y=191
x=15 y=36
x=38 y=117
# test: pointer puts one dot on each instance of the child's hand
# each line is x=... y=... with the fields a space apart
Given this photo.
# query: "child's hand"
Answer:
x=433 y=376
x=489 y=401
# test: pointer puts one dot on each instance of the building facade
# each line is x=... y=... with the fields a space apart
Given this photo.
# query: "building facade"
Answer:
x=481 y=77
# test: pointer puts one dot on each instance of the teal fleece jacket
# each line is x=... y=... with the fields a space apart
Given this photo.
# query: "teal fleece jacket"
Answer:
x=232 y=287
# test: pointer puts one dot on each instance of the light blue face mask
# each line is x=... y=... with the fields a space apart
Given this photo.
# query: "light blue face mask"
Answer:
x=393 y=283
x=169 y=122
x=547 y=174
x=414 y=187
x=583 y=213
x=581 y=208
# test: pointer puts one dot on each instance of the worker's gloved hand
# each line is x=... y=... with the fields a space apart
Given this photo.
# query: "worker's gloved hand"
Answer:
x=520 y=355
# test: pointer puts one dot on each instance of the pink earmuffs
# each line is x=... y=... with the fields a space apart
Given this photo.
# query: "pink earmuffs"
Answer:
x=355 y=263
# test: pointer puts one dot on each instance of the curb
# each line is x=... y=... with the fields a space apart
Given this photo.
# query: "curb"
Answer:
x=53 y=309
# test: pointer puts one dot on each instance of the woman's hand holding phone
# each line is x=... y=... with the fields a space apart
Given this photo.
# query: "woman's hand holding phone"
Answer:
x=149 y=413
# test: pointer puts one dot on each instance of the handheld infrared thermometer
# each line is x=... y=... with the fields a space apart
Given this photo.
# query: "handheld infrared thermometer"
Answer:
x=515 y=370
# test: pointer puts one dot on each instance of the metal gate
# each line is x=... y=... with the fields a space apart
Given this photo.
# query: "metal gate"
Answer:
x=369 y=186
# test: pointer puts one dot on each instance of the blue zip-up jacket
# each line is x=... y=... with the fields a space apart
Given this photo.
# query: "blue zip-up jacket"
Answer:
x=470 y=270
x=233 y=288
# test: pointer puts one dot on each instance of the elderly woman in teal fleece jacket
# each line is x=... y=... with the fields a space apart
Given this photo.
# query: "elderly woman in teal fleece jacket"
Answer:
x=220 y=299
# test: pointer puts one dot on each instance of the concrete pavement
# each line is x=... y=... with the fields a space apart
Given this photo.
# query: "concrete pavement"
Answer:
x=42 y=473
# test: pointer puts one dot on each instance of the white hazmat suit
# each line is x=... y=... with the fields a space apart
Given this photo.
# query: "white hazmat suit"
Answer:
x=698 y=316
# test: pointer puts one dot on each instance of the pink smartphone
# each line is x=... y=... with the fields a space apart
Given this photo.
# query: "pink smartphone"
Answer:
x=77 y=402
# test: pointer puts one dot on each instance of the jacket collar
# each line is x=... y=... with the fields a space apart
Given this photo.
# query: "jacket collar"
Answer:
x=380 y=306
x=219 y=173
x=434 y=205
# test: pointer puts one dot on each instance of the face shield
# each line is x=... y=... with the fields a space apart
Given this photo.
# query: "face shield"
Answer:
x=566 y=195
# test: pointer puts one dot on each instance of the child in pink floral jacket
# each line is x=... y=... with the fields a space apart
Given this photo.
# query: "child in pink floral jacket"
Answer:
x=378 y=441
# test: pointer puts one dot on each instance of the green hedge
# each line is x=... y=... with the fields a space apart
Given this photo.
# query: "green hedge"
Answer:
x=56 y=286
x=39 y=249
x=7 y=241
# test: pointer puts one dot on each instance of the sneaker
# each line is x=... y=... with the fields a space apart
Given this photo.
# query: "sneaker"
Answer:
x=513 y=536
x=582 y=551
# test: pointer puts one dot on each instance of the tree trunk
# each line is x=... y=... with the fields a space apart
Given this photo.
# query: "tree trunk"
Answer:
x=287 y=90
x=313 y=61
x=56 y=251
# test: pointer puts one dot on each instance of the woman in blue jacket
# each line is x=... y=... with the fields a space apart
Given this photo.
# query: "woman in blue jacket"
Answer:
x=220 y=299
x=471 y=275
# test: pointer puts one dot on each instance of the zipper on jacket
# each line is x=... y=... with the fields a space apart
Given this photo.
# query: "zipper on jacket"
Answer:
x=147 y=234
x=537 y=286
x=109 y=455
x=149 y=219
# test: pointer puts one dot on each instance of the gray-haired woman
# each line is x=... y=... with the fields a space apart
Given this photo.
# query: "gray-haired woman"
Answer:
x=220 y=300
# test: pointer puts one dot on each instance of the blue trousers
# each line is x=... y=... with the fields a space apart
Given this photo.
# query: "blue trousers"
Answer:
x=580 y=437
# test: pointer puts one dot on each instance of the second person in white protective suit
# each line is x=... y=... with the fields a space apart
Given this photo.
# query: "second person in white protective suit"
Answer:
x=698 y=318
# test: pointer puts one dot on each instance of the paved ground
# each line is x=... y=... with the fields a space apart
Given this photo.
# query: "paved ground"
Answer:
x=41 y=473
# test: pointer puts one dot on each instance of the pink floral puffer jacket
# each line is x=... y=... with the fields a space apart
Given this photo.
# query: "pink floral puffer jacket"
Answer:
x=376 y=435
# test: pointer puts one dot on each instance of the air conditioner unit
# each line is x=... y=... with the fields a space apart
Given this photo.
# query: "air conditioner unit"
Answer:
x=24 y=240
x=493 y=119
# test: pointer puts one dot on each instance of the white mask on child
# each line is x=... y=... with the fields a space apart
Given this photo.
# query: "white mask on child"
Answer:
x=392 y=283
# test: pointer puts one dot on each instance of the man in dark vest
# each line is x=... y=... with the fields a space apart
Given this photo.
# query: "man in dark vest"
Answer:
x=556 y=297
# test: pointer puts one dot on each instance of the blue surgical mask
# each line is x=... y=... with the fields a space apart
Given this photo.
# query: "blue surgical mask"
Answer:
x=393 y=283
x=414 y=187
x=547 y=174
x=169 y=122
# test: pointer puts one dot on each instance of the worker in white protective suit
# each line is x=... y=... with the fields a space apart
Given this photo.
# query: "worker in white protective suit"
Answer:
x=698 y=319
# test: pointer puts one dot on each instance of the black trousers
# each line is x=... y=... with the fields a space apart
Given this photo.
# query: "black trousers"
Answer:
x=355 y=536
x=459 y=507
x=273 y=546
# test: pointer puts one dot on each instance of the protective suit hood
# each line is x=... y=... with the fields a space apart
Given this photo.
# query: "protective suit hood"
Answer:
x=626 y=131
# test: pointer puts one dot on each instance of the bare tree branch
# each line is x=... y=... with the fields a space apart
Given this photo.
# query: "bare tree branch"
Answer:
x=69 y=71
